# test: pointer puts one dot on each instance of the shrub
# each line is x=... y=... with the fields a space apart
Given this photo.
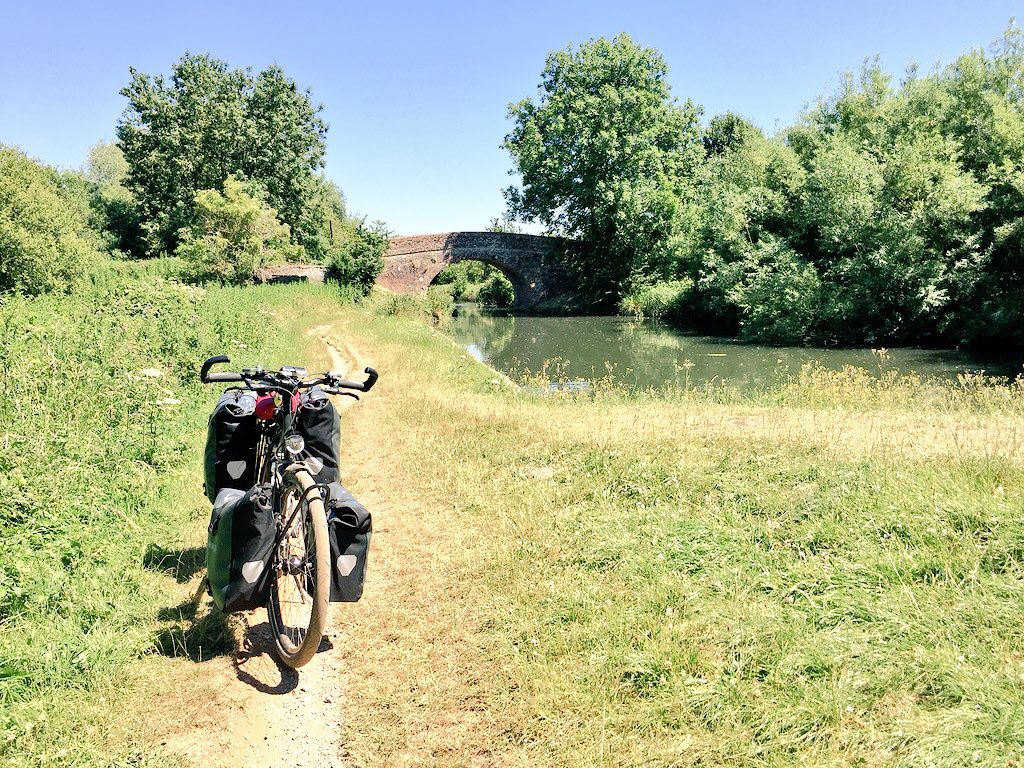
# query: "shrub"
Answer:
x=358 y=260
x=468 y=278
x=497 y=291
x=439 y=301
x=661 y=300
x=233 y=235
x=44 y=243
x=778 y=296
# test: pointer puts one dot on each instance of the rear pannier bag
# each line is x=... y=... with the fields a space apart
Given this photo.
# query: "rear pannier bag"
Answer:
x=318 y=423
x=230 y=458
x=349 y=529
x=239 y=546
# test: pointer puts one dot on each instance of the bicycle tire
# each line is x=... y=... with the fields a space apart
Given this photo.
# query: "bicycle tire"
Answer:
x=298 y=603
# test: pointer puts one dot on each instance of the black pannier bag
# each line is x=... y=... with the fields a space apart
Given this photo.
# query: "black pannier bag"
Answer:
x=239 y=545
x=230 y=458
x=349 y=528
x=318 y=423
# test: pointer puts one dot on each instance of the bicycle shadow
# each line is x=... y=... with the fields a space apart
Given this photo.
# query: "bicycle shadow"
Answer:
x=205 y=633
x=257 y=664
x=215 y=634
x=199 y=639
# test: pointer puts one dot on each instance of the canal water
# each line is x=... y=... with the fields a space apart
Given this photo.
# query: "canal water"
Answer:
x=647 y=354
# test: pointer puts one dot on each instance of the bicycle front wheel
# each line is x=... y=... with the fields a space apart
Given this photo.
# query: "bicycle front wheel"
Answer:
x=302 y=579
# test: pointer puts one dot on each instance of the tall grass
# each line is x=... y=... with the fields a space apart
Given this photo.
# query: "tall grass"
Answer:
x=825 y=575
x=828 y=573
x=101 y=424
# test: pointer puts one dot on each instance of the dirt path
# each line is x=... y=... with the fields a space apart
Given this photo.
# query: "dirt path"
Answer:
x=264 y=713
x=403 y=675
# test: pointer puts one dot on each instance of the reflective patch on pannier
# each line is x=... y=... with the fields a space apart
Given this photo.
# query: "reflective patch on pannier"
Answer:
x=346 y=564
x=349 y=528
x=230 y=457
x=239 y=546
x=252 y=570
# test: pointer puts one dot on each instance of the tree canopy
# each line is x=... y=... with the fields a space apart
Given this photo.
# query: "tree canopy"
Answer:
x=606 y=156
x=206 y=122
x=890 y=213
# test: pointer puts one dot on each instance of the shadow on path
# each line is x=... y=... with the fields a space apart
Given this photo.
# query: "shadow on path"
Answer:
x=180 y=564
x=256 y=664
x=246 y=637
x=198 y=640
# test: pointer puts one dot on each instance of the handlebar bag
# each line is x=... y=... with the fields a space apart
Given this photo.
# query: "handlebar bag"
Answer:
x=230 y=457
x=239 y=545
x=318 y=422
x=349 y=528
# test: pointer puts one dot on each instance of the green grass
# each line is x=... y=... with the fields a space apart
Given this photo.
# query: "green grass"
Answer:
x=100 y=472
x=824 y=574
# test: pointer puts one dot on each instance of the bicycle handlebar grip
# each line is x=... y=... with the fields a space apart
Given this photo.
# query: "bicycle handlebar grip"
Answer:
x=204 y=372
x=225 y=376
x=371 y=379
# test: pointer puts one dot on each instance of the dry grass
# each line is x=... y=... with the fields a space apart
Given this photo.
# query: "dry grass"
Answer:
x=681 y=581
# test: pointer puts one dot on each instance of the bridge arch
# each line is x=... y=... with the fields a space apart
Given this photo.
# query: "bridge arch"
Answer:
x=532 y=263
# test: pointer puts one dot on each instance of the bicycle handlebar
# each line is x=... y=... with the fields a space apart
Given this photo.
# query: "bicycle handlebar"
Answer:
x=331 y=378
x=206 y=377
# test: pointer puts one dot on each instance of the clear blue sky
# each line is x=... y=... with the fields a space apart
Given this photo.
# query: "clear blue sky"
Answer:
x=416 y=93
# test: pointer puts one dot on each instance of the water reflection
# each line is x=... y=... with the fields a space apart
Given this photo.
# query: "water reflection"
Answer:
x=644 y=354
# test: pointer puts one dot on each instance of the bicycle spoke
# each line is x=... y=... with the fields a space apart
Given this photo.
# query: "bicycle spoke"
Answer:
x=298 y=586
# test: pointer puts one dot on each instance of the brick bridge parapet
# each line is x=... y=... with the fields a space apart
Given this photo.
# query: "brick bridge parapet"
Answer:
x=532 y=263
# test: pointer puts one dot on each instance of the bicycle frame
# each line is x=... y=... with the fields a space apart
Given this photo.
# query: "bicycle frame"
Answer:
x=272 y=462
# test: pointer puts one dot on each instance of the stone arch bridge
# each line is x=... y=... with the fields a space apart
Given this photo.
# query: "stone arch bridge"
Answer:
x=532 y=263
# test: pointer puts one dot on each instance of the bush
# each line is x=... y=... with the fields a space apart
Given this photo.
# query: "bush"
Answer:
x=661 y=300
x=44 y=238
x=468 y=278
x=439 y=302
x=234 y=234
x=358 y=260
x=778 y=296
x=497 y=291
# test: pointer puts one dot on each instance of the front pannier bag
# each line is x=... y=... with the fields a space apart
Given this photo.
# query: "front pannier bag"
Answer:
x=230 y=459
x=239 y=544
x=320 y=427
x=349 y=528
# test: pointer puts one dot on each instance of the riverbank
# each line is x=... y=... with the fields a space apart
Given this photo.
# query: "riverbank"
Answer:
x=828 y=575
x=833 y=577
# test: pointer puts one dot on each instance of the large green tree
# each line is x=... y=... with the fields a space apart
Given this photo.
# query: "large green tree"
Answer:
x=207 y=122
x=606 y=157
x=115 y=211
